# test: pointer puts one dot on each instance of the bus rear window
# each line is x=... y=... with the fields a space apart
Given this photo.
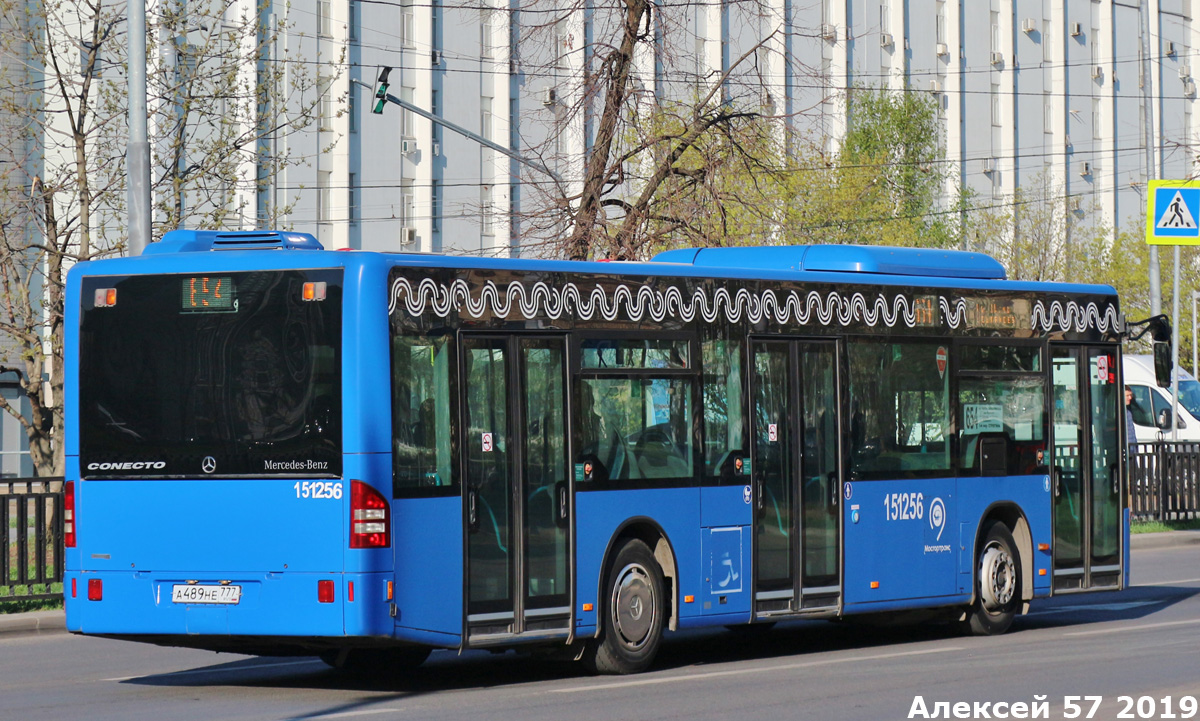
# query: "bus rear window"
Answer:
x=236 y=374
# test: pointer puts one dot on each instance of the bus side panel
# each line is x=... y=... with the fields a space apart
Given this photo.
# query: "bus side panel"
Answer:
x=1031 y=495
x=428 y=541
x=600 y=514
x=899 y=542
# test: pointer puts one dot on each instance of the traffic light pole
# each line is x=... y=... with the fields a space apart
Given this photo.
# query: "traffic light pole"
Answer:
x=383 y=95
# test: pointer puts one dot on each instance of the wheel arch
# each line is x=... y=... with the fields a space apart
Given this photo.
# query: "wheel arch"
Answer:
x=650 y=532
x=1011 y=515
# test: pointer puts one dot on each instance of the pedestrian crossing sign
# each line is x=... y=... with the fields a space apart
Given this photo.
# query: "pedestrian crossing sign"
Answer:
x=1173 y=212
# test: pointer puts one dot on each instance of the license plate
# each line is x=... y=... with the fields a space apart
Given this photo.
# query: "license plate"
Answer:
x=195 y=593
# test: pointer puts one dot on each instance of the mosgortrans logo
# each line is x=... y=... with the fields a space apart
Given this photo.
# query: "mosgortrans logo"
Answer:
x=128 y=466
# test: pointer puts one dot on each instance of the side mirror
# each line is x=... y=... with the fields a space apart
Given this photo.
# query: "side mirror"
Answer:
x=1164 y=420
x=1162 y=363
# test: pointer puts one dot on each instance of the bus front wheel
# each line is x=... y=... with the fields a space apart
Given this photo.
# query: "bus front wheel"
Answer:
x=998 y=583
x=633 y=614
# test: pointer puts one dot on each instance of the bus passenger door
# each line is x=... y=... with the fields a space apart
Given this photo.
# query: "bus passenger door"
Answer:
x=796 y=477
x=517 y=491
x=1086 y=468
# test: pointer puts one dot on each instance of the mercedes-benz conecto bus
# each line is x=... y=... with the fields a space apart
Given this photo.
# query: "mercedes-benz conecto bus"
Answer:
x=277 y=449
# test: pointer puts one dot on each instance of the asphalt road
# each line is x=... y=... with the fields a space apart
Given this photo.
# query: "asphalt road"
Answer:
x=1143 y=642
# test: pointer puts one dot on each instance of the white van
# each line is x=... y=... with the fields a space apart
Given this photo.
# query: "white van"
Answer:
x=1149 y=400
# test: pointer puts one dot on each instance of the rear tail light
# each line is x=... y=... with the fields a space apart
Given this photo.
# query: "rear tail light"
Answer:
x=95 y=589
x=369 y=522
x=69 y=514
x=324 y=591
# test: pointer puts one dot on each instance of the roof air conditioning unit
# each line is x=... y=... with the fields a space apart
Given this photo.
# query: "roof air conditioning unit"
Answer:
x=989 y=165
x=935 y=86
x=828 y=31
x=408 y=236
x=1076 y=30
x=1028 y=25
x=886 y=40
x=1074 y=204
x=1085 y=169
x=1170 y=50
x=549 y=96
x=408 y=146
x=1189 y=88
x=1097 y=72
x=997 y=58
x=435 y=57
x=943 y=49
x=1185 y=71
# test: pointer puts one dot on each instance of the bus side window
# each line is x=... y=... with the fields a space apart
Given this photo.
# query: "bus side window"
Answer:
x=724 y=442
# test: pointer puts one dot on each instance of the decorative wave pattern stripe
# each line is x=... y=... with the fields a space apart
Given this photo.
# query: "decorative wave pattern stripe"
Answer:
x=1073 y=316
x=643 y=301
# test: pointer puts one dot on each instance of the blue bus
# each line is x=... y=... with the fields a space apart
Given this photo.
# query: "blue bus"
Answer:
x=277 y=449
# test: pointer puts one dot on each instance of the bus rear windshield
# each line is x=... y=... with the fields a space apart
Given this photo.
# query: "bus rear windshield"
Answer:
x=226 y=374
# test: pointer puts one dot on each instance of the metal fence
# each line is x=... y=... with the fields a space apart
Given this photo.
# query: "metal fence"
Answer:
x=1164 y=480
x=31 y=514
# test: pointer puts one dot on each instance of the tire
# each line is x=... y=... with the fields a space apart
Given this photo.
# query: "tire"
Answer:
x=997 y=585
x=377 y=661
x=634 y=611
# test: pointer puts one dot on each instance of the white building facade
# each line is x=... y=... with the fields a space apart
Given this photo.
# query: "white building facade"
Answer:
x=1025 y=88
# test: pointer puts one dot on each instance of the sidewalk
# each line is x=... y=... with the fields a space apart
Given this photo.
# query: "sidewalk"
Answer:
x=34 y=622
x=37 y=622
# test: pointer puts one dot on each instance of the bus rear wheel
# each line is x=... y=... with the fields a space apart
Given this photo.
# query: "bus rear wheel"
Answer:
x=633 y=614
x=376 y=661
x=998 y=583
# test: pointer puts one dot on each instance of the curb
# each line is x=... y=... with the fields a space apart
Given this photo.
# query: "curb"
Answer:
x=33 y=623
x=1164 y=539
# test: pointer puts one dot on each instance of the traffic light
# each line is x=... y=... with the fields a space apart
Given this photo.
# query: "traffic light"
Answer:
x=381 y=88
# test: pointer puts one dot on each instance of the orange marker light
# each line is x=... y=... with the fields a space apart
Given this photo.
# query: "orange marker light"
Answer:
x=1041 y=572
x=874 y=584
x=314 y=291
x=1043 y=546
x=689 y=599
x=588 y=607
x=390 y=590
x=105 y=297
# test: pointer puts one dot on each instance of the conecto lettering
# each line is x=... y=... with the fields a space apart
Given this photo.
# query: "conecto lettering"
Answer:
x=128 y=466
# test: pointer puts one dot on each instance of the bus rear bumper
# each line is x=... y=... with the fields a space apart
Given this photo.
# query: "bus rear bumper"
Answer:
x=286 y=604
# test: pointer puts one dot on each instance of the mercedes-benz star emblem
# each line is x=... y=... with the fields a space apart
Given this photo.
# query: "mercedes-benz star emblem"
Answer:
x=209 y=464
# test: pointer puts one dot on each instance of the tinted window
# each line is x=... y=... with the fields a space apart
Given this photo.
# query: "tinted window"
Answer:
x=420 y=412
x=636 y=428
x=237 y=374
x=899 y=409
x=723 y=425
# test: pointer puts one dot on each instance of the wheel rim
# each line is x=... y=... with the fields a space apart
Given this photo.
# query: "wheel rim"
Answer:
x=634 y=608
x=997 y=577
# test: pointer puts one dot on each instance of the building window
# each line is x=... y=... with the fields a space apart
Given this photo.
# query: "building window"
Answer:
x=1047 y=49
x=407 y=38
x=941 y=23
x=996 y=32
x=487 y=31
x=1094 y=39
x=1048 y=113
x=408 y=204
x=885 y=18
x=562 y=43
x=486 y=211
x=485 y=117
x=326 y=104
x=407 y=125
x=323 y=196
x=352 y=199
x=353 y=21
x=1096 y=122
x=324 y=24
x=996 y=115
